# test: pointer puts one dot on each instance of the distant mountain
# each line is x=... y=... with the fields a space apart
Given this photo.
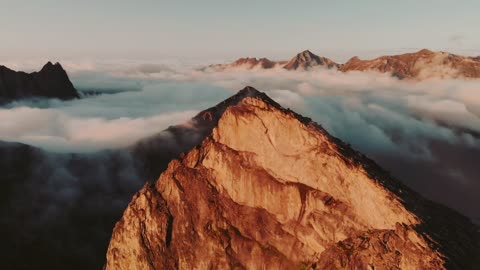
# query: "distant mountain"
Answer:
x=302 y=61
x=247 y=63
x=254 y=62
x=423 y=64
x=270 y=189
x=419 y=65
x=50 y=82
x=307 y=59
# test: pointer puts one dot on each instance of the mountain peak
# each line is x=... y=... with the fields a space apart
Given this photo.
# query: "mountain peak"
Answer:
x=306 y=55
x=50 y=82
x=425 y=51
x=49 y=66
x=306 y=52
x=266 y=183
x=307 y=59
x=211 y=115
x=354 y=59
x=249 y=91
x=252 y=62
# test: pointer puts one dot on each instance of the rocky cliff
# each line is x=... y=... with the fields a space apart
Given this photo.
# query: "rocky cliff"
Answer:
x=50 y=82
x=270 y=189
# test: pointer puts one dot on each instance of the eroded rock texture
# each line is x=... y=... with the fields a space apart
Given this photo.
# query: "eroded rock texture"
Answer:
x=269 y=189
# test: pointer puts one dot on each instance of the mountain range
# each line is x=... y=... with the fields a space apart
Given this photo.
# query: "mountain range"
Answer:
x=423 y=64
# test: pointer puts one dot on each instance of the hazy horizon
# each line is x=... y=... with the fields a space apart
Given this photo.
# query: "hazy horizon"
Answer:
x=149 y=30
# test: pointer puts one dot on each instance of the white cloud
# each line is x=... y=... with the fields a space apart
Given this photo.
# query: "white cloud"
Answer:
x=427 y=133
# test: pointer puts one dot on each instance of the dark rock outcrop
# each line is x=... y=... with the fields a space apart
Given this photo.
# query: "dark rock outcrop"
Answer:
x=50 y=82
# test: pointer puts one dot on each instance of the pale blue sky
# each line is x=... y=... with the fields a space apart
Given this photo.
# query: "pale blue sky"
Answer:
x=273 y=28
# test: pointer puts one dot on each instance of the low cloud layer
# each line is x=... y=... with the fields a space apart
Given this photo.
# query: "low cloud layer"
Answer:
x=427 y=133
x=105 y=121
x=58 y=209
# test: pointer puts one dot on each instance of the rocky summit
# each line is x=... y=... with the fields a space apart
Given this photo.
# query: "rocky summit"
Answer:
x=270 y=189
x=50 y=82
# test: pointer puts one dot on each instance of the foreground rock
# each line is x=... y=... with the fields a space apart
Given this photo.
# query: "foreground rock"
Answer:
x=50 y=82
x=270 y=189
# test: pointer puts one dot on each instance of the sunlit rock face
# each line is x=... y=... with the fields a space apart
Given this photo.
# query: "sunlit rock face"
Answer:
x=302 y=61
x=270 y=189
x=423 y=64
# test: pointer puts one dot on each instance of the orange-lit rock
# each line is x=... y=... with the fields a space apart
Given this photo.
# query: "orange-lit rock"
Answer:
x=423 y=64
x=302 y=61
x=247 y=64
x=307 y=59
x=270 y=189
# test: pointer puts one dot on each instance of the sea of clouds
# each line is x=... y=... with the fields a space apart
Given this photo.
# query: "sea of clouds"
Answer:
x=427 y=133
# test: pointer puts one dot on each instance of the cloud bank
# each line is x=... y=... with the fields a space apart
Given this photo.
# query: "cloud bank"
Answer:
x=60 y=208
x=427 y=133
x=105 y=121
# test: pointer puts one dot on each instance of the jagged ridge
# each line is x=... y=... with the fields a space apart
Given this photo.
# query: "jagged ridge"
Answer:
x=423 y=64
x=307 y=59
